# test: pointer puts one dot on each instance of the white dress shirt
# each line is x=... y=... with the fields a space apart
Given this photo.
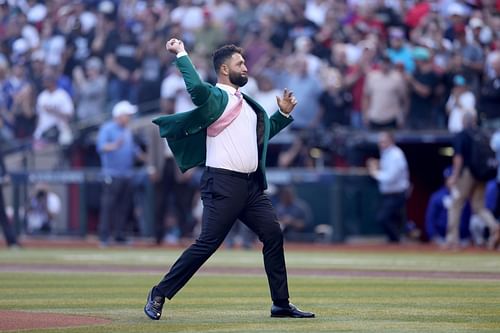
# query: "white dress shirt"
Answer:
x=235 y=148
x=458 y=108
x=393 y=176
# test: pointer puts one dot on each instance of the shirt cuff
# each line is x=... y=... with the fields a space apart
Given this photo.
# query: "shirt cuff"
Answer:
x=287 y=115
x=181 y=54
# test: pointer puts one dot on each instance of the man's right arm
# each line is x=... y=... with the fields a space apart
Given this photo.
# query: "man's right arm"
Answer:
x=197 y=89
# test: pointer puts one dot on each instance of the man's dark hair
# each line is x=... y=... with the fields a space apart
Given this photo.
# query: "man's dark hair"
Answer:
x=223 y=53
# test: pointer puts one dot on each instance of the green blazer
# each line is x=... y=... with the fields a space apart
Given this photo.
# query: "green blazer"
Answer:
x=186 y=132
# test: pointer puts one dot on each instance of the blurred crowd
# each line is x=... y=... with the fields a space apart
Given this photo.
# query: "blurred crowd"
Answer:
x=353 y=64
x=361 y=64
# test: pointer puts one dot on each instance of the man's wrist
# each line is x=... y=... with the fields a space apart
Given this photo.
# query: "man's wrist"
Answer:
x=284 y=114
x=181 y=54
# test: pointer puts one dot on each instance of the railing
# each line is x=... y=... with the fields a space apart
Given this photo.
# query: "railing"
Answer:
x=80 y=178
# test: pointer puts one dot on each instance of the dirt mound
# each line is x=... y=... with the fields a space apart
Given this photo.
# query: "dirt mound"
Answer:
x=21 y=320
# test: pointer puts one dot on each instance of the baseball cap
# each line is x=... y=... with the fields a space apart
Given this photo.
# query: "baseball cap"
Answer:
x=456 y=9
x=459 y=80
x=421 y=53
x=106 y=7
x=476 y=22
x=124 y=108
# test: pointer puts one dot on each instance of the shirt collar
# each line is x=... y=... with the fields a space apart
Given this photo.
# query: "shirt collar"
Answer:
x=227 y=88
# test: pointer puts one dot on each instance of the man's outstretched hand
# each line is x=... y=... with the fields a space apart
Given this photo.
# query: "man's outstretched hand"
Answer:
x=287 y=102
x=175 y=46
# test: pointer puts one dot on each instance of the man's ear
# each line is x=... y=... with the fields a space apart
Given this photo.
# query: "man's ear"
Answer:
x=224 y=69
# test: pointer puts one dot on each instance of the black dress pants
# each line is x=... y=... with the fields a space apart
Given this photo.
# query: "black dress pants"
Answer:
x=391 y=215
x=227 y=196
x=116 y=200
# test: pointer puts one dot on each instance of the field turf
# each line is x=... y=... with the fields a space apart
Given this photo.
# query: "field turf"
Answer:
x=350 y=291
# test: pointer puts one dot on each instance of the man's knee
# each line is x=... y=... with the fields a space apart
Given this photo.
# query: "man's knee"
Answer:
x=273 y=236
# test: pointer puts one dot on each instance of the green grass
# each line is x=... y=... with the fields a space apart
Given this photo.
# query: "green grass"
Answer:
x=223 y=303
x=411 y=261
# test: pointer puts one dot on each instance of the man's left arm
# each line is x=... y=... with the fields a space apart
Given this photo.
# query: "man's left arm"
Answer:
x=278 y=121
x=282 y=118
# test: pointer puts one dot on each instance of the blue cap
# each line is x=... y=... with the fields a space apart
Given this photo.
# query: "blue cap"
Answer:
x=459 y=80
x=421 y=53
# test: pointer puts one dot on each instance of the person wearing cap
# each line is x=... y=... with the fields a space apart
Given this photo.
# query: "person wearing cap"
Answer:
x=457 y=14
x=422 y=84
x=436 y=214
x=460 y=102
x=118 y=151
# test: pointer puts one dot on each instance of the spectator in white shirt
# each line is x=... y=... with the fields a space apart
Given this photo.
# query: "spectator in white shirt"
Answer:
x=266 y=94
x=391 y=172
x=55 y=111
x=461 y=101
x=174 y=97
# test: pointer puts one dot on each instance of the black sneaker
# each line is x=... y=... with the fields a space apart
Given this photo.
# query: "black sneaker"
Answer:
x=154 y=304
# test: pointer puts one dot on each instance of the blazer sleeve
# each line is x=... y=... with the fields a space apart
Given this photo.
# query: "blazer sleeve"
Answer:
x=278 y=122
x=196 y=87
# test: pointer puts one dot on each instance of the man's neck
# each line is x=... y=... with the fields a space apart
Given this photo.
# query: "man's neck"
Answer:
x=225 y=81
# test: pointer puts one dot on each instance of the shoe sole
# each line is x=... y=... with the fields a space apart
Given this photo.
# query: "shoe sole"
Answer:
x=285 y=316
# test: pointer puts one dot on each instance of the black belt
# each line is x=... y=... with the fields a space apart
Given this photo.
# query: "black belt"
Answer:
x=244 y=175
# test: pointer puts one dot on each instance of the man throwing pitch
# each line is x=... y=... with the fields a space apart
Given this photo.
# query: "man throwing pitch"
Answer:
x=227 y=133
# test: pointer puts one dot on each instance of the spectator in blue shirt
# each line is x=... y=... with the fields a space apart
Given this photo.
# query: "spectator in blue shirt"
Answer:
x=118 y=152
x=398 y=52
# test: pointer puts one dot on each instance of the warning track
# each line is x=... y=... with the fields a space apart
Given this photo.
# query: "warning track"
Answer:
x=65 y=268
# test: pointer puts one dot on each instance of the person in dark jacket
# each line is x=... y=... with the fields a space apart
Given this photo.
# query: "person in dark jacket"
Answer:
x=8 y=231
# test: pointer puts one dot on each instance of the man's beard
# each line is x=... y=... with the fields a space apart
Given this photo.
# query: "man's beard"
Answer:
x=237 y=79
